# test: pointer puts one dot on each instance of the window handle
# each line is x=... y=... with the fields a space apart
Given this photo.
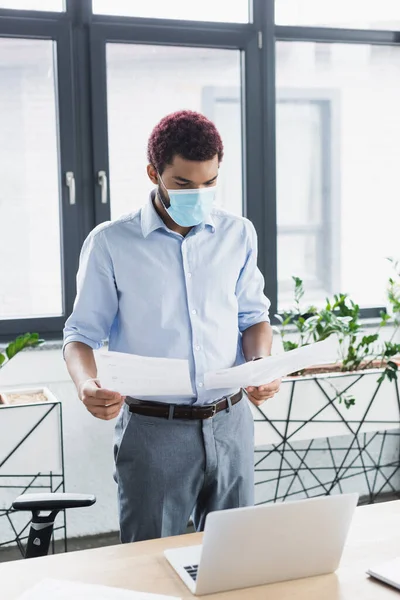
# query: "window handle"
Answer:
x=70 y=182
x=103 y=183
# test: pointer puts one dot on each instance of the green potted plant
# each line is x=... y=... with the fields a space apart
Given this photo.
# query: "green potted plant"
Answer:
x=340 y=316
x=332 y=423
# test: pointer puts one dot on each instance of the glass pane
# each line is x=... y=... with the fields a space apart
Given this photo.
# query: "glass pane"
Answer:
x=300 y=214
x=145 y=83
x=47 y=5
x=207 y=10
x=352 y=14
x=30 y=265
x=338 y=127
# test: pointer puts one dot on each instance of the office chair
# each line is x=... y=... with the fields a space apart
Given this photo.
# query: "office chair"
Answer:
x=42 y=525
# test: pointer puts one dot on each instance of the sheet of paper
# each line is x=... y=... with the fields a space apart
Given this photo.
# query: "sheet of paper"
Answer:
x=52 y=589
x=266 y=370
x=132 y=375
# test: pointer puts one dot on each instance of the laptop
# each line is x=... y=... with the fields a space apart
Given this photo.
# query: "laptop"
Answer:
x=389 y=573
x=246 y=547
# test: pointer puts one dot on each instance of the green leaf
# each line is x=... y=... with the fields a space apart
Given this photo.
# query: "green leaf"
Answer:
x=298 y=289
x=2 y=358
x=34 y=340
x=367 y=340
x=391 y=349
x=298 y=283
x=385 y=318
x=289 y=346
x=21 y=342
x=349 y=401
x=11 y=350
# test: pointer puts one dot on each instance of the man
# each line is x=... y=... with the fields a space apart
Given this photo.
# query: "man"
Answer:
x=178 y=279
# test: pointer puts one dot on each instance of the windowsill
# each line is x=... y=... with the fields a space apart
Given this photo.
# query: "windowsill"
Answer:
x=372 y=323
x=58 y=344
x=50 y=345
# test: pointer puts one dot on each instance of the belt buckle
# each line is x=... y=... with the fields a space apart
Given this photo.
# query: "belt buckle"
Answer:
x=213 y=411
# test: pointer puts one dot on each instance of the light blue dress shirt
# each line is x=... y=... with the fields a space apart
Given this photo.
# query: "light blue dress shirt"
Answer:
x=152 y=292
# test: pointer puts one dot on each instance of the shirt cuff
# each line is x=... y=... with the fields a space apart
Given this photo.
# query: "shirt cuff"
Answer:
x=247 y=322
x=77 y=337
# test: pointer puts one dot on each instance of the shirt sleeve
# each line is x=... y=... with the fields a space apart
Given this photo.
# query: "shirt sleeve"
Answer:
x=96 y=302
x=252 y=303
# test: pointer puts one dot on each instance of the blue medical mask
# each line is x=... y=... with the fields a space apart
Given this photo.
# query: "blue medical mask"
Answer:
x=190 y=207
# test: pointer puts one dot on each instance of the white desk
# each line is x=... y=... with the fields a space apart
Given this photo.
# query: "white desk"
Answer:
x=374 y=538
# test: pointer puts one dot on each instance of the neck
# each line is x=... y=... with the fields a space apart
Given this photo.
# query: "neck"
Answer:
x=170 y=223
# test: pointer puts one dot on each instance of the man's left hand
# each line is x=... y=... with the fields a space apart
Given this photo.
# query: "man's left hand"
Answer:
x=258 y=395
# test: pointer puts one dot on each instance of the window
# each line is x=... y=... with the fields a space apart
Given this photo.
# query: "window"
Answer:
x=307 y=232
x=311 y=147
x=345 y=166
x=207 y=10
x=144 y=83
x=30 y=267
x=46 y=5
x=357 y=14
x=223 y=106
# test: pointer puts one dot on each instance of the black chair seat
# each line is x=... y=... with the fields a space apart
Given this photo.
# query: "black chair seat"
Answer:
x=57 y=501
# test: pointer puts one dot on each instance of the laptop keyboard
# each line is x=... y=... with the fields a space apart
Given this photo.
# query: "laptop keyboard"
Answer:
x=192 y=570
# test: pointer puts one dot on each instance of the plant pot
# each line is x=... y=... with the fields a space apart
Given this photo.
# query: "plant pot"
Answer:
x=337 y=368
x=16 y=397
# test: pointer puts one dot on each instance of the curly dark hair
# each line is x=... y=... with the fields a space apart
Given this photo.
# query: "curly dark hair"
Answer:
x=187 y=134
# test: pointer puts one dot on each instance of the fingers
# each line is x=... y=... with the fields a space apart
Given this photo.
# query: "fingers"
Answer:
x=101 y=403
x=92 y=406
x=272 y=387
x=100 y=400
x=269 y=388
x=258 y=395
x=102 y=394
x=257 y=402
x=106 y=413
x=92 y=393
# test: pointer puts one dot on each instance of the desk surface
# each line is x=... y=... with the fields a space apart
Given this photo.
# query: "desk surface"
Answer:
x=374 y=538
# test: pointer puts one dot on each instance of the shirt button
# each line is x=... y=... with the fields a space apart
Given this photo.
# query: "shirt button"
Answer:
x=189 y=275
x=201 y=384
x=194 y=312
x=198 y=348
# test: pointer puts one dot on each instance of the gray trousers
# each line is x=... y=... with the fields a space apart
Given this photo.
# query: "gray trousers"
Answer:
x=170 y=470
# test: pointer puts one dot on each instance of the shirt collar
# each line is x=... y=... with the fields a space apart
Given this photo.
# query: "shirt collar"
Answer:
x=151 y=220
x=209 y=222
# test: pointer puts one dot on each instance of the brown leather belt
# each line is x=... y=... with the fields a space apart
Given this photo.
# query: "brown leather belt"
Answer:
x=177 y=411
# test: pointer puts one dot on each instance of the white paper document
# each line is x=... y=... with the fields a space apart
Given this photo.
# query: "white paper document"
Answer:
x=132 y=375
x=266 y=370
x=52 y=589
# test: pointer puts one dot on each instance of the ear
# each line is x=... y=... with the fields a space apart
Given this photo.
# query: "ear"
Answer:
x=152 y=173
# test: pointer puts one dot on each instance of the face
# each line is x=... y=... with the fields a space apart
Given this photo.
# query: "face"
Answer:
x=186 y=174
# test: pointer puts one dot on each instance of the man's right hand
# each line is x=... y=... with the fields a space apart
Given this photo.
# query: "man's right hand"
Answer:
x=101 y=403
